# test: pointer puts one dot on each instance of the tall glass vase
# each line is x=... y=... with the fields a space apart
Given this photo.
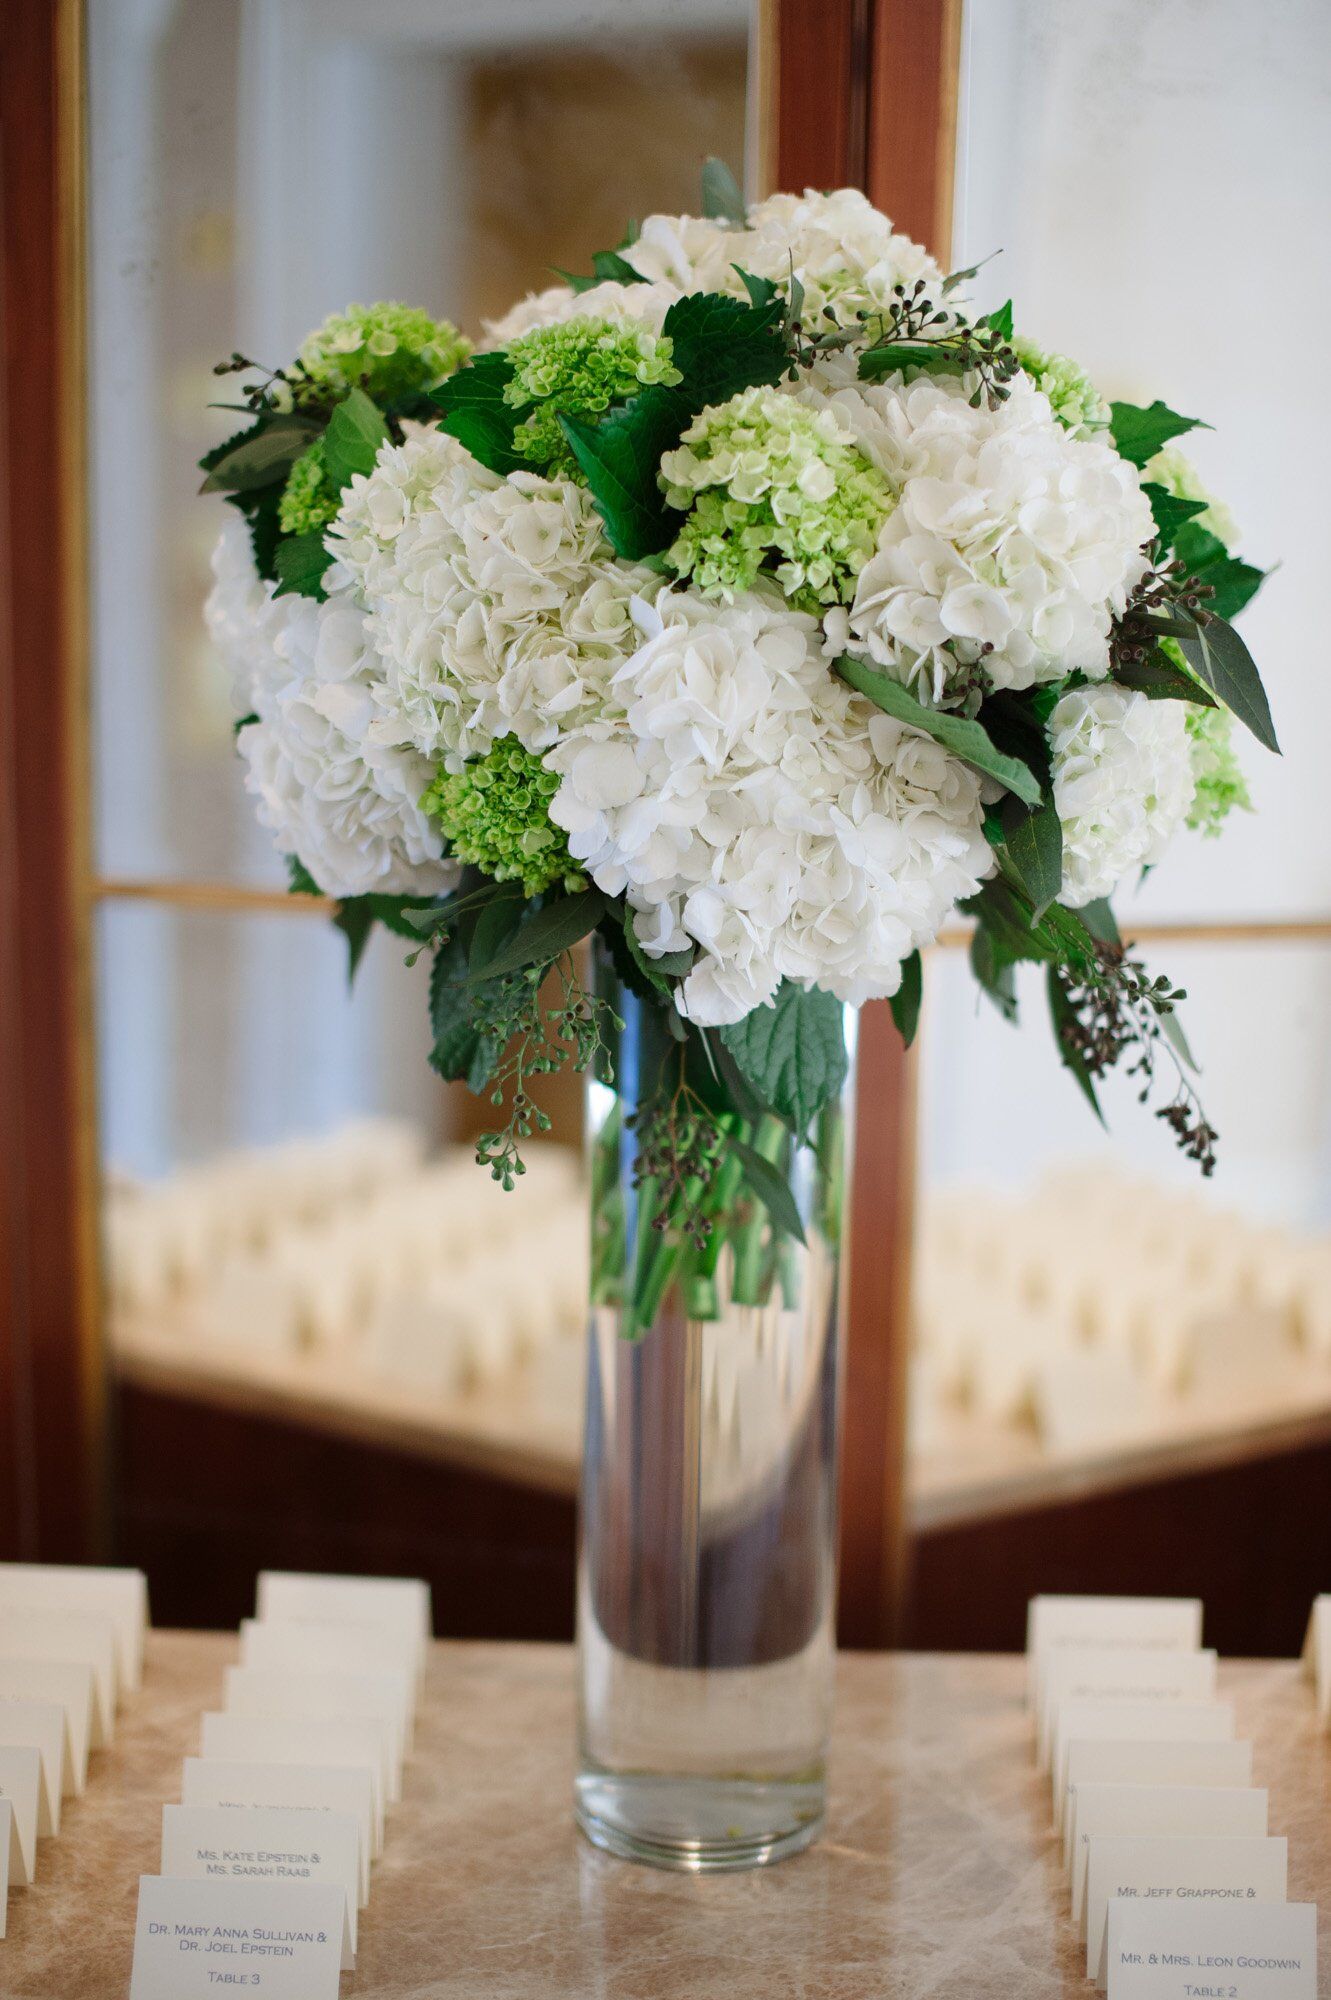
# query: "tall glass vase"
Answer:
x=707 y=1563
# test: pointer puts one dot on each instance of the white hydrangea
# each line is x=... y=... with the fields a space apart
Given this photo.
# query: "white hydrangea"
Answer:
x=1012 y=549
x=1123 y=784
x=745 y=800
x=495 y=604
x=623 y=305
x=343 y=804
x=242 y=616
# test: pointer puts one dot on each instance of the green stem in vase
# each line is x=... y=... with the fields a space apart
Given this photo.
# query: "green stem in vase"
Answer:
x=747 y=1287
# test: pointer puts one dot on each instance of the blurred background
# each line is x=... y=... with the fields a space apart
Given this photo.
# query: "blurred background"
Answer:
x=1113 y=1375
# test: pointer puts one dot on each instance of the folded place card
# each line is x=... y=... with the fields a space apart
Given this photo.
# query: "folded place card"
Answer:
x=325 y=1645
x=62 y=1681
x=1195 y=1868
x=21 y=1784
x=8 y=1842
x=1117 y=1673
x=310 y=1739
x=118 y=1594
x=390 y=1603
x=1210 y=1809
x=87 y=1637
x=1110 y=1762
x=1131 y=1721
x=378 y=1698
x=1244 y=1951
x=267 y=1844
x=39 y=1725
x=1317 y=1654
x=310 y=1787
x=199 y=1938
x=1173 y=1624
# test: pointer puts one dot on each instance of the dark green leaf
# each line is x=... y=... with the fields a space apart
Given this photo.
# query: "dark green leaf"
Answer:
x=545 y=935
x=1233 y=583
x=722 y=196
x=474 y=412
x=905 y=1002
x=1071 y=1058
x=992 y=967
x=1000 y=321
x=262 y=513
x=460 y=1051
x=1139 y=433
x=1169 y=512
x=301 y=561
x=243 y=722
x=300 y=882
x=761 y=291
x=498 y=918
x=721 y=346
x=1100 y=920
x=259 y=456
x=658 y=969
x=1034 y=843
x=620 y=458
x=1059 y=937
x=958 y=733
x=356 y=430
x=1172 y=1029
x=608 y=264
x=355 y=920
x=1159 y=677
x=896 y=354
x=771 y=1187
x=395 y=913
x=792 y=1051
x=1219 y=657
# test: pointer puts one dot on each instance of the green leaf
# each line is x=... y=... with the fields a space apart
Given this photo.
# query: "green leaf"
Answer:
x=771 y=1187
x=792 y=1051
x=460 y=1051
x=1233 y=583
x=300 y=562
x=608 y=264
x=658 y=969
x=1059 y=937
x=620 y=458
x=721 y=346
x=895 y=354
x=958 y=733
x=722 y=196
x=1100 y=920
x=1000 y=321
x=543 y=935
x=761 y=291
x=905 y=1002
x=1139 y=433
x=395 y=913
x=262 y=513
x=992 y=967
x=1072 y=1060
x=474 y=412
x=257 y=457
x=1158 y=677
x=355 y=920
x=1219 y=657
x=1169 y=512
x=300 y=882
x=356 y=430
x=243 y=722
x=495 y=923
x=1034 y=843
x=1172 y=1029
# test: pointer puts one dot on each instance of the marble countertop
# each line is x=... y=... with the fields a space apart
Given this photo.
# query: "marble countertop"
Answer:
x=937 y=1879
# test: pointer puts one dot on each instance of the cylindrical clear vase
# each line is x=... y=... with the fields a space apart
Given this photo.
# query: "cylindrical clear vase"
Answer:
x=707 y=1561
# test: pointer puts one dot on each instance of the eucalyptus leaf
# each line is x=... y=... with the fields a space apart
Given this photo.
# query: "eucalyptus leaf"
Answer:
x=1072 y=1060
x=1139 y=433
x=1218 y=656
x=257 y=457
x=771 y=1187
x=498 y=918
x=792 y=1051
x=893 y=355
x=1158 y=677
x=1034 y=843
x=965 y=738
x=544 y=935
x=722 y=195
x=1100 y=920
x=905 y=1002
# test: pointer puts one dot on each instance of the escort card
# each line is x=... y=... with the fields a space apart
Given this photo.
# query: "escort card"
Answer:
x=324 y=1645
x=1117 y=1673
x=1245 y=1951
x=1317 y=1654
x=40 y=1725
x=267 y=1844
x=1170 y=1624
x=1112 y=1763
x=118 y=1594
x=378 y=1698
x=1209 y=1809
x=60 y=1681
x=285 y=1938
x=1197 y=1869
x=397 y=1604
x=1130 y=1721
x=21 y=1784
x=8 y=1841
x=310 y=1739
x=86 y=1637
x=309 y=1787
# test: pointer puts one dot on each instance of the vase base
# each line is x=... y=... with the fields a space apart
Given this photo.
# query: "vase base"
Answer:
x=697 y=1826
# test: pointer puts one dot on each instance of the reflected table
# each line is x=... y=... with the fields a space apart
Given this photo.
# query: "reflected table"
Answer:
x=938 y=1878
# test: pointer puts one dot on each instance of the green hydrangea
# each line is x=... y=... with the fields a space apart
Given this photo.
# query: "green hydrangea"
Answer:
x=391 y=351
x=1216 y=770
x=1073 y=397
x=581 y=366
x=495 y=813
x=764 y=477
x=308 y=502
x=1178 y=475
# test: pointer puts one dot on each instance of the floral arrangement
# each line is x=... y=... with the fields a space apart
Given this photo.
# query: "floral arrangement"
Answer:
x=747 y=604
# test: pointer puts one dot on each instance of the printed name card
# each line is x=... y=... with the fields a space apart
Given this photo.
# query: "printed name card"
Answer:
x=1213 y=1871
x=325 y=1645
x=21 y=1785
x=1317 y=1655
x=1190 y=1763
x=1117 y=1673
x=1130 y=1721
x=311 y=1739
x=396 y=1604
x=198 y=1938
x=307 y=1787
x=39 y=1725
x=376 y=1698
x=1207 y=1809
x=1245 y=1951
x=1167 y=1624
x=118 y=1594
x=70 y=1685
x=267 y=1844
x=84 y=1637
